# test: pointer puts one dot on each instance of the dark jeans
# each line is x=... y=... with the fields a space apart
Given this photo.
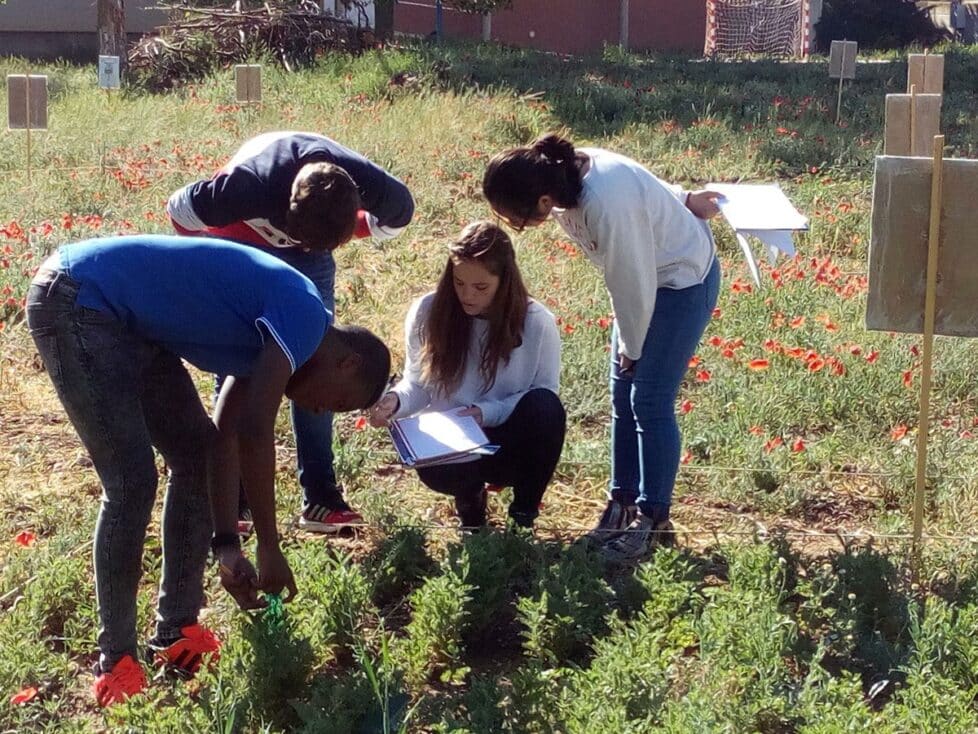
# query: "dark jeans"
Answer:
x=644 y=432
x=529 y=443
x=313 y=432
x=124 y=396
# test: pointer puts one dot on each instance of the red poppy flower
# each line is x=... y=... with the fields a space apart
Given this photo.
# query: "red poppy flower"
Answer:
x=361 y=423
x=772 y=444
x=908 y=378
x=25 y=538
x=686 y=457
x=758 y=364
x=686 y=406
x=898 y=432
x=693 y=361
x=814 y=365
x=703 y=376
x=797 y=322
x=872 y=356
x=24 y=695
x=755 y=430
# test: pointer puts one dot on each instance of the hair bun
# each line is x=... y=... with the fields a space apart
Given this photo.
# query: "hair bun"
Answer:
x=554 y=149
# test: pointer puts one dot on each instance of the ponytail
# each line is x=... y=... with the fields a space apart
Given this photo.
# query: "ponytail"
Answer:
x=516 y=179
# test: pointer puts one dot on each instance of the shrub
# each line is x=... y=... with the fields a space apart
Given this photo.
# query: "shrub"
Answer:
x=881 y=24
x=569 y=607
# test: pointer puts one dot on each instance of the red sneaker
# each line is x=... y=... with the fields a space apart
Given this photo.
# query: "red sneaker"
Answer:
x=320 y=519
x=182 y=657
x=126 y=679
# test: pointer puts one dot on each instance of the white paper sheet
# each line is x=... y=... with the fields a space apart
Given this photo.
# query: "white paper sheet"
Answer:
x=430 y=438
x=764 y=212
x=758 y=206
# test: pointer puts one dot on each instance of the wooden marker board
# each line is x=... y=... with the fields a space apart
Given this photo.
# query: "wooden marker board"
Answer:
x=925 y=73
x=912 y=121
x=899 y=242
x=18 y=94
x=108 y=72
x=247 y=83
x=842 y=59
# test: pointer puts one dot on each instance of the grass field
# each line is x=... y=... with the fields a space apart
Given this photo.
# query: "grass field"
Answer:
x=789 y=606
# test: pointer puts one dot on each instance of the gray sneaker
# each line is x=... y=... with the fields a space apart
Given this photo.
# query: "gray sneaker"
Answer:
x=616 y=517
x=637 y=541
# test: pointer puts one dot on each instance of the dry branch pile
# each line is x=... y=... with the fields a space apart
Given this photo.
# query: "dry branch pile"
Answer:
x=198 y=40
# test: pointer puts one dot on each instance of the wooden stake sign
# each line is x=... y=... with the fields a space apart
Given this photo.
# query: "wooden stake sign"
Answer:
x=912 y=121
x=108 y=72
x=925 y=73
x=27 y=102
x=27 y=107
x=247 y=83
x=923 y=266
x=842 y=66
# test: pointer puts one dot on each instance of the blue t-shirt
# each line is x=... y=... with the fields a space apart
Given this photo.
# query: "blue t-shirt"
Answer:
x=211 y=302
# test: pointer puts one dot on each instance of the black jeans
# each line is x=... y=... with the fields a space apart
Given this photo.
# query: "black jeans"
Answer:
x=529 y=443
x=124 y=396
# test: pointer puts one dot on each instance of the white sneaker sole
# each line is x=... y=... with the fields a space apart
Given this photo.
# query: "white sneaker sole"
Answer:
x=324 y=528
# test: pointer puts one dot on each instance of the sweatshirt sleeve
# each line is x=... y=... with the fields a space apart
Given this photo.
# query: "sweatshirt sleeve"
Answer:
x=411 y=392
x=629 y=265
x=542 y=333
x=231 y=196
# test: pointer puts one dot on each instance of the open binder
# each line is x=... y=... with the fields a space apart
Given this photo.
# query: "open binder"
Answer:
x=428 y=439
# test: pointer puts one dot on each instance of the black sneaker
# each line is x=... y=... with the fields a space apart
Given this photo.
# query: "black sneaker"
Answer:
x=616 y=517
x=471 y=509
x=638 y=540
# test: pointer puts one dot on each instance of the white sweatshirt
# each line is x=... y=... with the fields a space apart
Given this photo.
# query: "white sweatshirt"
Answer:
x=535 y=363
x=637 y=230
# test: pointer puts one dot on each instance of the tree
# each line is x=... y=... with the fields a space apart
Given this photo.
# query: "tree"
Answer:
x=112 y=31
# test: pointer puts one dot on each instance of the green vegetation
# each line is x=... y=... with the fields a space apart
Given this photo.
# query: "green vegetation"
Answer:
x=798 y=425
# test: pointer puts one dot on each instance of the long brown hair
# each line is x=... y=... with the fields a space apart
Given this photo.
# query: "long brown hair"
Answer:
x=515 y=179
x=445 y=335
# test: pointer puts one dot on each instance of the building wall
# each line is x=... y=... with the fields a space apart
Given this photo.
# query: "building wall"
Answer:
x=73 y=16
x=581 y=26
x=52 y=29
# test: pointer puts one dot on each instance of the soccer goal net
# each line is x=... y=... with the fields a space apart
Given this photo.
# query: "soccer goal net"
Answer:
x=773 y=27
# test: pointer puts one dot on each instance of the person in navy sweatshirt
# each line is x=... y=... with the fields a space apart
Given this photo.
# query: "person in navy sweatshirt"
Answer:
x=299 y=196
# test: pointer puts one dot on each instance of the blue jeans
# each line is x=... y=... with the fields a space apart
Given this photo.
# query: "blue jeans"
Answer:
x=645 y=440
x=124 y=396
x=313 y=433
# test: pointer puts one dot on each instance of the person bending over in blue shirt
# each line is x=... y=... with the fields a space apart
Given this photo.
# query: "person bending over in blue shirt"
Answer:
x=112 y=318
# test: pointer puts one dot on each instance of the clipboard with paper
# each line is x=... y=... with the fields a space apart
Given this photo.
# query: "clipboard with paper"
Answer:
x=429 y=439
x=764 y=212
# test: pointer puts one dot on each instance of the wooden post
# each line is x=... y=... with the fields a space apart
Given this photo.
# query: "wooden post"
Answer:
x=838 y=104
x=930 y=303
x=112 y=31
x=913 y=115
x=486 y=27
x=623 y=24
x=28 y=128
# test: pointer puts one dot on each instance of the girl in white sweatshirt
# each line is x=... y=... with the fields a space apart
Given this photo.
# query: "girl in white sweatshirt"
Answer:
x=481 y=344
x=659 y=264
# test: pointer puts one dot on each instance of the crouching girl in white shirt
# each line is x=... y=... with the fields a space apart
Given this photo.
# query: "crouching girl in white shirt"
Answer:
x=481 y=344
x=659 y=263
